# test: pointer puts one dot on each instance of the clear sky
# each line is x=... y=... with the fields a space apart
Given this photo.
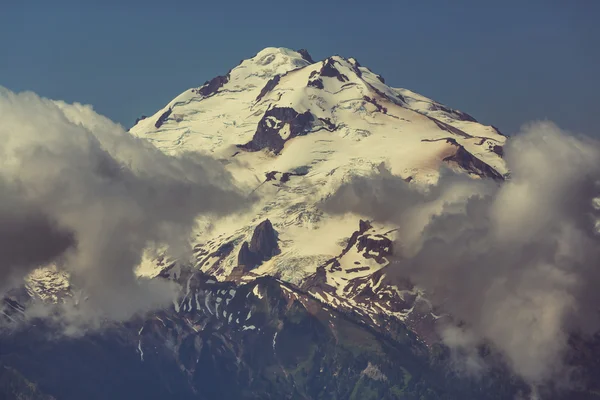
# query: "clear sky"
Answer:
x=504 y=62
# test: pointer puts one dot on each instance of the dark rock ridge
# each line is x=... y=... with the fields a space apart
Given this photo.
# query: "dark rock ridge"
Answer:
x=472 y=164
x=314 y=80
x=163 y=117
x=267 y=135
x=468 y=161
x=306 y=56
x=498 y=150
x=264 y=241
x=376 y=247
x=379 y=107
x=329 y=70
x=397 y=99
x=317 y=282
x=268 y=87
x=355 y=66
x=449 y=128
x=330 y=126
x=140 y=119
x=333 y=264
x=247 y=260
x=211 y=87
x=285 y=176
x=263 y=245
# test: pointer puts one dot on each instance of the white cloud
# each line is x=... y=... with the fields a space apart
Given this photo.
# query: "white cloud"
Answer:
x=79 y=191
x=517 y=262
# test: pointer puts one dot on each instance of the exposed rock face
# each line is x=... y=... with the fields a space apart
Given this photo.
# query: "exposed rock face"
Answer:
x=268 y=87
x=330 y=126
x=449 y=128
x=278 y=125
x=211 y=87
x=329 y=70
x=306 y=56
x=314 y=80
x=468 y=162
x=373 y=101
x=140 y=119
x=363 y=226
x=317 y=282
x=262 y=247
x=498 y=150
x=259 y=340
x=355 y=66
x=264 y=241
x=246 y=258
x=376 y=247
x=285 y=176
x=472 y=164
x=161 y=120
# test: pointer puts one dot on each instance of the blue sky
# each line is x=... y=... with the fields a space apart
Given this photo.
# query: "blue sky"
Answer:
x=504 y=63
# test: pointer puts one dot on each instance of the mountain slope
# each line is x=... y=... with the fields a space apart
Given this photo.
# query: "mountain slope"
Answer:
x=292 y=131
x=260 y=340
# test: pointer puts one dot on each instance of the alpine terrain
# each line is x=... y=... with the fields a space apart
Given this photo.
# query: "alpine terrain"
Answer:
x=284 y=301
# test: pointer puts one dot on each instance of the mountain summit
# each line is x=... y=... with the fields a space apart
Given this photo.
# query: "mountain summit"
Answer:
x=284 y=300
x=292 y=131
x=279 y=94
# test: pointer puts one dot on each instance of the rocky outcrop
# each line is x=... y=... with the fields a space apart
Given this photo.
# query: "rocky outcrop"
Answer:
x=314 y=80
x=278 y=125
x=468 y=162
x=161 y=120
x=263 y=245
x=285 y=176
x=211 y=87
x=140 y=119
x=264 y=241
x=246 y=258
x=498 y=150
x=373 y=101
x=330 y=126
x=306 y=56
x=317 y=282
x=472 y=164
x=268 y=87
x=377 y=247
x=329 y=70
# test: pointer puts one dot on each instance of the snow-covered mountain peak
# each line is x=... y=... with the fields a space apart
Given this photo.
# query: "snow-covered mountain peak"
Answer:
x=268 y=63
x=292 y=130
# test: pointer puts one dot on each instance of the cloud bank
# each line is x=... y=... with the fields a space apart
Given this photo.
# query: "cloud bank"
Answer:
x=517 y=263
x=78 y=191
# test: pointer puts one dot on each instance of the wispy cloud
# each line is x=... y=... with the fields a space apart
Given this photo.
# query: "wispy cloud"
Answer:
x=517 y=262
x=80 y=192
